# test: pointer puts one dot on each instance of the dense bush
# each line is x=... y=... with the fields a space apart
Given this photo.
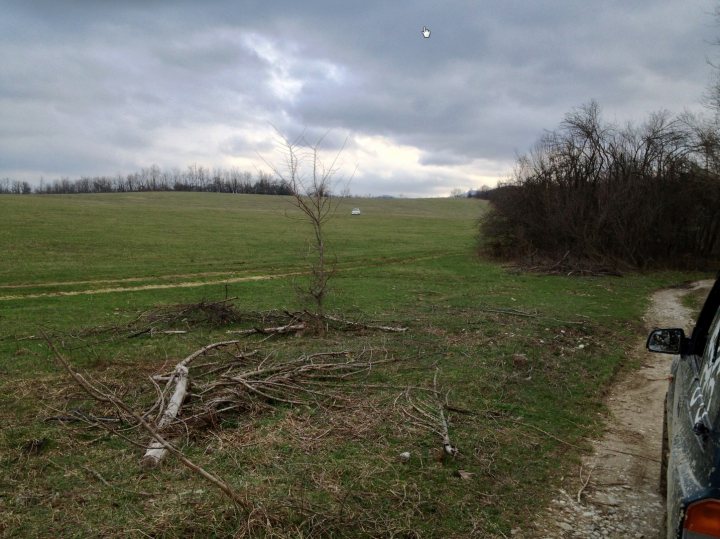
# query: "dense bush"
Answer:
x=594 y=195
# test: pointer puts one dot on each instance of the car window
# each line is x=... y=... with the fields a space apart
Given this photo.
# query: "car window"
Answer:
x=710 y=371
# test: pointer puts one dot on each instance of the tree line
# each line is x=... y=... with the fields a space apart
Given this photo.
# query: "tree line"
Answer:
x=194 y=178
x=592 y=194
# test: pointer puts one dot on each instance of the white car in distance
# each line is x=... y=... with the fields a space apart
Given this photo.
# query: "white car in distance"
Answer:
x=355 y=211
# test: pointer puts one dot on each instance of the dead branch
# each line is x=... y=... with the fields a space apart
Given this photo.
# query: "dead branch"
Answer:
x=575 y=446
x=305 y=320
x=358 y=325
x=80 y=416
x=156 y=451
x=429 y=416
x=279 y=330
x=585 y=482
x=511 y=312
x=447 y=446
x=107 y=397
x=104 y=481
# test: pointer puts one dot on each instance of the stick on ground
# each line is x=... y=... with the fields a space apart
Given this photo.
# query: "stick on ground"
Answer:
x=180 y=376
x=95 y=393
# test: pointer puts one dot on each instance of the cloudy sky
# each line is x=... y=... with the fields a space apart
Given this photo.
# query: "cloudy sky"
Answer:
x=92 y=87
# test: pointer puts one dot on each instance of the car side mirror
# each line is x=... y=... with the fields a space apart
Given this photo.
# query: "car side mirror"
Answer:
x=666 y=341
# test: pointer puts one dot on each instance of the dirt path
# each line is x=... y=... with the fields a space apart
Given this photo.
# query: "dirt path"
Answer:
x=123 y=280
x=188 y=284
x=615 y=492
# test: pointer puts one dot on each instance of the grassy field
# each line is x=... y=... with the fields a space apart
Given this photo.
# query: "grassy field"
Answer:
x=521 y=360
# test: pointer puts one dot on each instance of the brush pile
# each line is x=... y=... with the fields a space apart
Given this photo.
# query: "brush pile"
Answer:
x=180 y=318
x=223 y=380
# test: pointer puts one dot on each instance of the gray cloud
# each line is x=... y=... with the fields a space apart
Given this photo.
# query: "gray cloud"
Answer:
x=96 y=88
x=442 y=159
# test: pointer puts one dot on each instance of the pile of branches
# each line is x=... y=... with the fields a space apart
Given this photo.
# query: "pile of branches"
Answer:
x=302 y=321
x=223 y=313
x=230 y=381
x=182 y=318
x=188 y=315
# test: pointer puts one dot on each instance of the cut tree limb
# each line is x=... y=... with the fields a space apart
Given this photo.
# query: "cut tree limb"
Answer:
x=348 y=323
x=101 y=396
x=430 y=416
x=289 y=328
x=157 y=451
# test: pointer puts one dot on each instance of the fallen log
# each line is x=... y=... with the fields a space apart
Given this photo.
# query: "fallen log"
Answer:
x=156 y=451
x=123 y=408
x=351 y=324
x=289 y=328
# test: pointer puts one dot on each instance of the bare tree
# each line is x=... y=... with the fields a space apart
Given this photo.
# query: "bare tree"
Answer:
x=311 y=183
x=595 y=195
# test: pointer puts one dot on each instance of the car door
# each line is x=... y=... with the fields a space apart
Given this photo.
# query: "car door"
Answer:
x=691 y=442
x=696 y=403
x=709 y=383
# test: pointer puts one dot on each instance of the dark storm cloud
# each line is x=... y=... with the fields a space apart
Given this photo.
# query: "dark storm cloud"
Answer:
x=91 y=87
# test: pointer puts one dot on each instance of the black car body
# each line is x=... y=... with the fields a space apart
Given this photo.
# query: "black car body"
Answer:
x=691 y=439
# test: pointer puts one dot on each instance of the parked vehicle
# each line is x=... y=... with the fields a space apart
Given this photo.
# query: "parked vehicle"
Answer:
x=356 y=211
x=690 y=469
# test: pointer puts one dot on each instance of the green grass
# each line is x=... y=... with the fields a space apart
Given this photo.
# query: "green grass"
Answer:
x=116 y=236
x=312 y=471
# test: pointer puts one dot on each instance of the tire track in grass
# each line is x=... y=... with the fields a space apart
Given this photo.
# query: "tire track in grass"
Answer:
x=121 y=280
x=196 y=284
x=187 y=284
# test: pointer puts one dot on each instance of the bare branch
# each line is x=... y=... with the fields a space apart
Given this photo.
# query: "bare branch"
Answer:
x=103 y=397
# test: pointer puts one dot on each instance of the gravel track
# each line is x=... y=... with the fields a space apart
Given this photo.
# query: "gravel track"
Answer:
x=614 y=494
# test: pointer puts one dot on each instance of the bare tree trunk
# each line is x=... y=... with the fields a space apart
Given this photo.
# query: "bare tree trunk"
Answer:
x=311 y=192
x=157 y=450
x=99 y=395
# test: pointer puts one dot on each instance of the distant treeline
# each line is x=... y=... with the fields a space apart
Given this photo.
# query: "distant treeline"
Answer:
x=194 y=178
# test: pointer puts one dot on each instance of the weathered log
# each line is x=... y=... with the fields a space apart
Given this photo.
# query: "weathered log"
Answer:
x=100 y=396
x=348 y=323
x=156 y=451
x=289 y=328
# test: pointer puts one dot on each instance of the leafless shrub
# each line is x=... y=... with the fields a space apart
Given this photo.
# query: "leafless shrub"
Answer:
x=211 y=313
x=311 y=183
x=594 y=196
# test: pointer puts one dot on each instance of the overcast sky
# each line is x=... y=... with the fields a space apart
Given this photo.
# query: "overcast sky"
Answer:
x=91 y=87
